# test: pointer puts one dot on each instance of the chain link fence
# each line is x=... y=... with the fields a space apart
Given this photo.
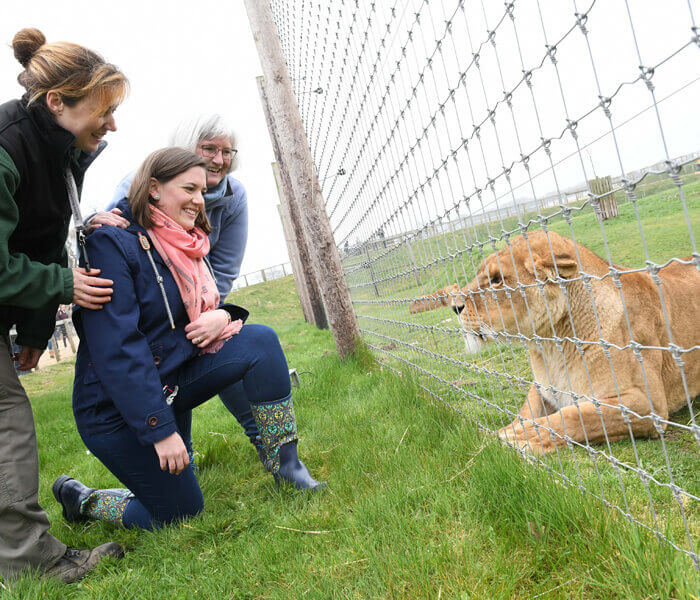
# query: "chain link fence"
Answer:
x=514 y=189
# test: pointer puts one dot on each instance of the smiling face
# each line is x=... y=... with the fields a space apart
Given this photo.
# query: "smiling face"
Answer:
x=84 y=120
x=181 y=198
x=219 y=164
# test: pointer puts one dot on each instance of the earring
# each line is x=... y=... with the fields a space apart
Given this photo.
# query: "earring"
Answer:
x=156 y=196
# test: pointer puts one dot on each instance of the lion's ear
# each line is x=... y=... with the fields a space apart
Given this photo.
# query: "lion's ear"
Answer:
x=567 y=266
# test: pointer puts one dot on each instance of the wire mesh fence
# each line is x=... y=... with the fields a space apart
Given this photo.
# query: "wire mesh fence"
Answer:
x=514 y=189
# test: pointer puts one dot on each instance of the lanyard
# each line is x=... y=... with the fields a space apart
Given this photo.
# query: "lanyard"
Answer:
x=77 y=219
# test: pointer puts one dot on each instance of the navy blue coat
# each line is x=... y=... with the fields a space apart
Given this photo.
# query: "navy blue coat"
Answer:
x=128 y=349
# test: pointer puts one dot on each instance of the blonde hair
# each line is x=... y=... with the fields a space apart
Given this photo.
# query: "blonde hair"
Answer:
x=75 y=72
x=162 y=165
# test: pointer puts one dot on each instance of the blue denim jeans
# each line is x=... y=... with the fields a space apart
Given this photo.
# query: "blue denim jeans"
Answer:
x=236 y=401
x=255 y=357
x=161 y=497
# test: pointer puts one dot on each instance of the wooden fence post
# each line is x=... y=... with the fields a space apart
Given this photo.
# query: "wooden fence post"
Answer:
x=301 y=279
x=56 y=351
x=307 y=277
x=70 y=330
x=296 y=158
x=602 y=186
x=414 y=264
x=371 y=270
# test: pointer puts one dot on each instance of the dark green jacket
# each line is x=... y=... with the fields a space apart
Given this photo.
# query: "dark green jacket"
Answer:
x=34 y=219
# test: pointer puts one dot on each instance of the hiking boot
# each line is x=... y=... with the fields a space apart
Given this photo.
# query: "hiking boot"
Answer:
x=75 y=563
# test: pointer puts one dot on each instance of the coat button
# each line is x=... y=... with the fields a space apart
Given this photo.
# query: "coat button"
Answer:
x=153 y=421
x=156 y=360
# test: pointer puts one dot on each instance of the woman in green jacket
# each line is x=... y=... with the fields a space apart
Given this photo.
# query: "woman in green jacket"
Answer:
x=48 y=138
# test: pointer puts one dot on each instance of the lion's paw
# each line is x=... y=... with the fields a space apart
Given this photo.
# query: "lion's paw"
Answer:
x=523 y=438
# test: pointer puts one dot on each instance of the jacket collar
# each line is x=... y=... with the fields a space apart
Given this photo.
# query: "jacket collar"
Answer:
x=220 y=194
x=133 y=228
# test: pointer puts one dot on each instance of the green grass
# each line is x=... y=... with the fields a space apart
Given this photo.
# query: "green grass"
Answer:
x=419 y=505
x=661 y=216
x=487 y=388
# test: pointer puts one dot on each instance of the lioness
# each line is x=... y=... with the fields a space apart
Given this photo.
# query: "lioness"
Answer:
x=598 y=369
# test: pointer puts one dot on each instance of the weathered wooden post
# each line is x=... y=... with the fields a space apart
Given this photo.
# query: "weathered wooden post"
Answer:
x=371 y=269
x=56 y=351
x=305 y=278
x=301 y=279
x=70 y=331
x=295 y=157
x=414 y=264
x=602 y=187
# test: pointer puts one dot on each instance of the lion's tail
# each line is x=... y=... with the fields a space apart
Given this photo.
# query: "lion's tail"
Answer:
x=434 y=300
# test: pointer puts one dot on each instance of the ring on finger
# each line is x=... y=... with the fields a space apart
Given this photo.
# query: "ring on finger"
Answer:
x=197 y=340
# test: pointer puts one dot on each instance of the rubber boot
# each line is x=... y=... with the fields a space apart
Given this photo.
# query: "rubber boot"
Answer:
x=293 y=470
x=260 y=449
x=278 y=430
x=71 y=494
x=107 y=505
x=80 y=502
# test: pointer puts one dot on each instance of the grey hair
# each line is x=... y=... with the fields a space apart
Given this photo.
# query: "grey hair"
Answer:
x=190 y=132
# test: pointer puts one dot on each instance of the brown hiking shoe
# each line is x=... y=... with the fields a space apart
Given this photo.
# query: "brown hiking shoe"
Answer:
x=75 y=563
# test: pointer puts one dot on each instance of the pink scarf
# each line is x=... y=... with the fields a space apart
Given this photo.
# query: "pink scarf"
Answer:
x=183 y=253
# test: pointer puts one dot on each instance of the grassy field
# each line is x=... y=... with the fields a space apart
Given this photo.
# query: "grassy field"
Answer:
x=453 y=256
x=420 y=505
x=489 y=387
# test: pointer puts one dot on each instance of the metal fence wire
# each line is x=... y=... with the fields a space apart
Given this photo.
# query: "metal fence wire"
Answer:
x=266 y=274
x=488 y=168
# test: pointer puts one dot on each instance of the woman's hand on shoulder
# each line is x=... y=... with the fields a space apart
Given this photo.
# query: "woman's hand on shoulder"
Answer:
x=172 y=454
x=90 y=291
x=208 y=327
x=112 y=217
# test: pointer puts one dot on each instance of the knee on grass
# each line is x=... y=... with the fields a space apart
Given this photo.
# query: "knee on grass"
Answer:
x=167 y=515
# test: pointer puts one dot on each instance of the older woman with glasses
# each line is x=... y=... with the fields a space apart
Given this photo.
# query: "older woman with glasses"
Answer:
x=226 y=204
x=227 y=210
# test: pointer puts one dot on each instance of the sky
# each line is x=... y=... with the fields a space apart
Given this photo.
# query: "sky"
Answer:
x=182 y=59
x=387 y=108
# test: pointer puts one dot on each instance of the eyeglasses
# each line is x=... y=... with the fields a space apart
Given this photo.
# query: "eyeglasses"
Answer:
x=210 y=151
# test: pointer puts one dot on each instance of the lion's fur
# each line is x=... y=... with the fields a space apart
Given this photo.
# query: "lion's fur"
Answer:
x=549 y=301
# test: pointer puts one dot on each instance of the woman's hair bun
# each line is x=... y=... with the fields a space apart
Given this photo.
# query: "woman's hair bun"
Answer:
x=25 y=44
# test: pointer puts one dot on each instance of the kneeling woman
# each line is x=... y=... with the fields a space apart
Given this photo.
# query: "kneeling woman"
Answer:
x=162 y=346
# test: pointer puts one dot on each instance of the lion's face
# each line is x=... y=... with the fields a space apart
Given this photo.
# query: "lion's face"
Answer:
x=505 y=296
